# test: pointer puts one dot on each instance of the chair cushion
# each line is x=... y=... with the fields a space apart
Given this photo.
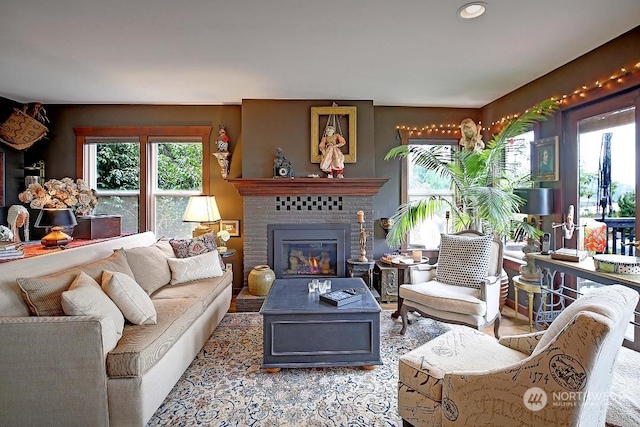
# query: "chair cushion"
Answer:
x=463 y=260
x=424 y=368
x=441 y=296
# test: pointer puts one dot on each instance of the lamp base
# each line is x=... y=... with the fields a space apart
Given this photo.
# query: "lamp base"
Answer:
x=56 y=238
x=201 y=229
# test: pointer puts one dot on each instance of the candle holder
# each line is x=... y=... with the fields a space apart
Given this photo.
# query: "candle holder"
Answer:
x=363 y=238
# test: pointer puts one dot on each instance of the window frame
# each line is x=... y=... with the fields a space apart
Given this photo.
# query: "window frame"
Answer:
x=145 y=136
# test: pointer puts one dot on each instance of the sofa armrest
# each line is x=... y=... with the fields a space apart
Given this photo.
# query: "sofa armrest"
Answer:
x=524 y=343
x=53 y=371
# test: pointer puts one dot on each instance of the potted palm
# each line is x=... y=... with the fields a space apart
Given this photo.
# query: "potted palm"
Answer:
x=484 y=189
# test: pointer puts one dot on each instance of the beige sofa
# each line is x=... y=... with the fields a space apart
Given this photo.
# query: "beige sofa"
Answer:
x=54 y=370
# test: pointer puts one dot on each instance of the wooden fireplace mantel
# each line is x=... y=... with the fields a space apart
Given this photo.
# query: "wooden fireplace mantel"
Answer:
x=306 y=186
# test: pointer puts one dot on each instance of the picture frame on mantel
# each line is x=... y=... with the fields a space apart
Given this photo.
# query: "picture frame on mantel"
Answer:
x=346 y=122
x=545 y=159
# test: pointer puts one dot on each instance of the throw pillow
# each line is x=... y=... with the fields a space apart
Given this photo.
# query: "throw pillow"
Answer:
x=185 y=248
x=130 y=298
x=149 y=265
x=197 y=267
x=463 y=260
x=86 y=298
x=43 y=294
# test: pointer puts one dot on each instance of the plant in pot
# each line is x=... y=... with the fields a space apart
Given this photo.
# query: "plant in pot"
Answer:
x=484 y=187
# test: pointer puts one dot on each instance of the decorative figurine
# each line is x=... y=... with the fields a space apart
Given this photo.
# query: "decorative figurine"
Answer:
x=222 y=140
x=332 y=157
x=471 y=137
x=18 y=216
x=282 y=168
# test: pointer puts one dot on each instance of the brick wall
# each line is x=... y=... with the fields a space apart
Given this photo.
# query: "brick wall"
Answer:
x=261 y=211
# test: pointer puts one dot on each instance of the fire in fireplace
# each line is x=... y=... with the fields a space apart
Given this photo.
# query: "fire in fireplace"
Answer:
x=308 y=250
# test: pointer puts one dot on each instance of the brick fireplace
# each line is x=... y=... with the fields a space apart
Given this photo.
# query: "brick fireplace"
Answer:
x=312 y=201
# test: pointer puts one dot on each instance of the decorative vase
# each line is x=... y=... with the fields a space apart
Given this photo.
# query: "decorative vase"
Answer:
x=260 y=280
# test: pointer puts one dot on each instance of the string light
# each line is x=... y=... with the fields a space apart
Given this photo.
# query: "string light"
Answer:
x=564 y=99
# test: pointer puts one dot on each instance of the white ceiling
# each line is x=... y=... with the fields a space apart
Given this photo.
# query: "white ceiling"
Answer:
x=402 y=52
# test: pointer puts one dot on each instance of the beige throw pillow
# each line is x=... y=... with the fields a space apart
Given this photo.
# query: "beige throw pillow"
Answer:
x=130 y=298
x=149 y=265
x=43 y=294
x=86 y=298
x=196 y=267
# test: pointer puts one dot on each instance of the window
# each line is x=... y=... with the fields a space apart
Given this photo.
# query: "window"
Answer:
x=152 y=193
x=517 y=155
x=422 y=183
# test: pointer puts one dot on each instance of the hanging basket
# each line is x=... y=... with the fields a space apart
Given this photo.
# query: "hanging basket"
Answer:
x=21 y=130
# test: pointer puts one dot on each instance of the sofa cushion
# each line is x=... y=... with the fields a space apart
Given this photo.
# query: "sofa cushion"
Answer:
x=149 y=265
x=141 y=347
x=206 y=290
x=130 y=298
x=185 y=248
x=198 y=267
x=463 y=260
x=86 y=298
x=43 y=294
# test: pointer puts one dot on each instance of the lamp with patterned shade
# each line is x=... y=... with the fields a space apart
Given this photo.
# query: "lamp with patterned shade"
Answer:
x=57 y=220
x=202 y=209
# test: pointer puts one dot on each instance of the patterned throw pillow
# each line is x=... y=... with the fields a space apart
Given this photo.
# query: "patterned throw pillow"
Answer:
x=185 y=248
x=463 y=260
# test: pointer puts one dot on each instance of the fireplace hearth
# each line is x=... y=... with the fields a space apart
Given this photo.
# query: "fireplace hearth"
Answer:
x=308 y=250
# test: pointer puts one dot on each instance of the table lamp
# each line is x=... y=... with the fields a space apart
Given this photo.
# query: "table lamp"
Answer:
x=57 y=220
x=538 y=201
x=202 y=209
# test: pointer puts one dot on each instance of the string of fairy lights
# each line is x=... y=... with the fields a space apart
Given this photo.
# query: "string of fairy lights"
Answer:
x=453 y=129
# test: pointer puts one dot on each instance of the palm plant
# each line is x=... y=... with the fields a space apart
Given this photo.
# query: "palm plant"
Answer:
x=483 y=185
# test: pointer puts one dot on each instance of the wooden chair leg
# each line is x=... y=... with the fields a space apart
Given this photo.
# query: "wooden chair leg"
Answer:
x=404 y=313
x=496 y=325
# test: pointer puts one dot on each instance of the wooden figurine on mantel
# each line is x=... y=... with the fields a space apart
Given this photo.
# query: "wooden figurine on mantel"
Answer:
x=222 y=140
x=282 y=168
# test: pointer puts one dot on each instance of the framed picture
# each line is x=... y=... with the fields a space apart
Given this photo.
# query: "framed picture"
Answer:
x=231 y=225
x=545 y=159
x=1 y=179
x=345 y=125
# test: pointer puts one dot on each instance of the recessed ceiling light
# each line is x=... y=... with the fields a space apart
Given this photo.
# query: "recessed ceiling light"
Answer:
x=472 y=10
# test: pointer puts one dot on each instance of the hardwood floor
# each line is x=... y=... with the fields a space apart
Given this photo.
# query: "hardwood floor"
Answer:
x=508 y=326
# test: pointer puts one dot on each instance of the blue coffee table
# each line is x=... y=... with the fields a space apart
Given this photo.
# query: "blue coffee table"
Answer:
x=300 y=331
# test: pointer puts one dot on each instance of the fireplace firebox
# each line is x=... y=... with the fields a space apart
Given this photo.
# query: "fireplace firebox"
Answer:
x=308 y=250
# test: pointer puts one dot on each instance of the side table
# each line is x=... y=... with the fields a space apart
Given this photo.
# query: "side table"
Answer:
x=530 y=288
x=227 y=254
x=361 y=269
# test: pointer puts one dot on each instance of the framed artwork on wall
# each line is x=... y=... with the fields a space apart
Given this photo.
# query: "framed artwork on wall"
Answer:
x=1 y=179
x=545 y=159
x=343 y=120
x=231 y=225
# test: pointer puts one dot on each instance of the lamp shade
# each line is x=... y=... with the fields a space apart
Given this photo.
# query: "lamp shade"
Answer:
x=201 y=209
x=538 y=201
x=55 y=217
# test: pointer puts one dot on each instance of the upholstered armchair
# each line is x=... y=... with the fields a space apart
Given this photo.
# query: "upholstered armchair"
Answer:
x=558 y=377
x=463 y=288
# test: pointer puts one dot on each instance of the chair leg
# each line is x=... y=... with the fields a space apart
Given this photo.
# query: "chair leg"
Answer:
x=496 y=325
x=404 y=313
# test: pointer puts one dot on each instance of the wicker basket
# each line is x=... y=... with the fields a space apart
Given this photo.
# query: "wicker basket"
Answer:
x=21 y=131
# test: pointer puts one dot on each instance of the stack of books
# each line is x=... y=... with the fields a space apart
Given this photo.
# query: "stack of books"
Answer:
x=11 y=250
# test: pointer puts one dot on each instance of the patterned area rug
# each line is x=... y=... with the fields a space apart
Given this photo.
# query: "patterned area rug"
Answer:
x=224 y=386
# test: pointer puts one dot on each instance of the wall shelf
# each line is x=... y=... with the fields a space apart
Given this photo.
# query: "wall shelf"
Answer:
x=307 y=186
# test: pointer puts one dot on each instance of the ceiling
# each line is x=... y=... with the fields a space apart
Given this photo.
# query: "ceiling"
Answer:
x=401 y=52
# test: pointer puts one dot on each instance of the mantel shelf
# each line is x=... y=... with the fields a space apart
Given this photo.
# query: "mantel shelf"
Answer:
x=306 y=186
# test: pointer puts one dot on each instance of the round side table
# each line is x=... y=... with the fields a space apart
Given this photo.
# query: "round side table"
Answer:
x=530 y=288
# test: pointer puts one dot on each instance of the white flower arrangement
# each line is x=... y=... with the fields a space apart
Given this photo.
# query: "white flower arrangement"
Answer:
x=224 y=237
x=61 y=194
x=5 y=234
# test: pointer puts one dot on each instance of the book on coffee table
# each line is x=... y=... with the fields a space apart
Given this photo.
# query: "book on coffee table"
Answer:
x=342 y=297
